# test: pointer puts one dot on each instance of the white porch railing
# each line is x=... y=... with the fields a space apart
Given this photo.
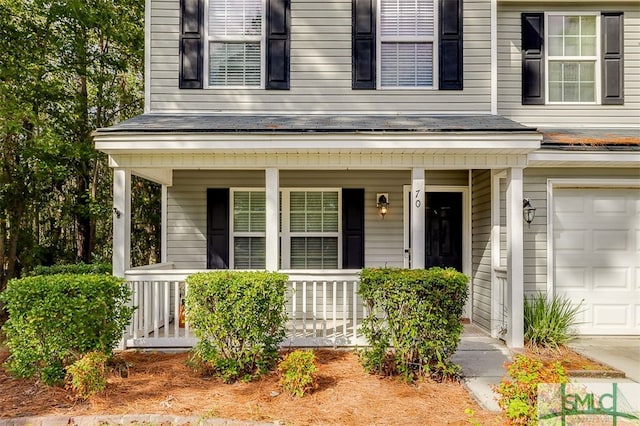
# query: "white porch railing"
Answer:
x=323 y=308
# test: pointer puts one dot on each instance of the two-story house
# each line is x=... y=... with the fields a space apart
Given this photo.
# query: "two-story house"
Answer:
x=318 y=137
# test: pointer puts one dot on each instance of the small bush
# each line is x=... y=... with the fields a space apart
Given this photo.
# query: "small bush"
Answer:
x=413 y=325
x=547 y=323
x=88 y=375
x=239 y=319
x=519 y=389
x=75 y=268
x=298 y=372
x=56 y=319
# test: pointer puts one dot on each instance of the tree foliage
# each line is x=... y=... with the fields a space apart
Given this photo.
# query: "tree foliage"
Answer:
x=67 y=68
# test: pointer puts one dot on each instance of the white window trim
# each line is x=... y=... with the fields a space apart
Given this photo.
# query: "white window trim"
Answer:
x=208 y=39
x=286 y=234
x=597 y=59
x=409 y=39
x=232 y=233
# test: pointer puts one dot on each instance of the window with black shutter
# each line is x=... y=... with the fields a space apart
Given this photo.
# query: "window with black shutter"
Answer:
x=400 y=51
x=572 y=58
x=228 y=49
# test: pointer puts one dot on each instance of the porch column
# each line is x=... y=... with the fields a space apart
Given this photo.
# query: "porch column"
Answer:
x=272 y=195
x=515 y=259
x=163 y=224
x=416 y=202
x=121 y=221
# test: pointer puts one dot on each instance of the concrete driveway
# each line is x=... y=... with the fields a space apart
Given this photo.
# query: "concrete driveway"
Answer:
x=621 y=352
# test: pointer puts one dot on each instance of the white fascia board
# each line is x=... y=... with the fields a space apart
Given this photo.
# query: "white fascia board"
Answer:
x=584 y=159
x=511 y=142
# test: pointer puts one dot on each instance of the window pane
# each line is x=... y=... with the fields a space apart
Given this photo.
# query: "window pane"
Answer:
x=314 y=253
x=234 y=64
x=555 y=25
x=587 y=92
x=555 y=92
x=571 y=93
x=310 y=210
x=572 y=25
x=556 y=46
x=249 y=253
x=235 y=17
x=406 y=18
x=249 y=211
x=555 y=71
x=588 y=26
x=587 y=72
x=572 y=46
x=588 y=47
x=407 y=64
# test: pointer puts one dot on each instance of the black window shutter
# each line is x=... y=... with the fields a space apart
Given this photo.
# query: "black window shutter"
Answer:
x=352 y=228
x=218 y=228
x=191 y=44
x=450 y=45
x=612 y=58
x=532 y=59
x=363 y=44
x=278 y=44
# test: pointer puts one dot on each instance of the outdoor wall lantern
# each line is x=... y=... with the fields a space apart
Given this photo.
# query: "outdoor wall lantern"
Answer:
x=382 y=203
x=116 y=212
x=528 y=211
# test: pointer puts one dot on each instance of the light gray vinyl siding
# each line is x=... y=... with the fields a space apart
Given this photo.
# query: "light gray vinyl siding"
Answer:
x=384 y=238
x=481 y=248
x=510 y=69
x=535 y=237
x=320 y=69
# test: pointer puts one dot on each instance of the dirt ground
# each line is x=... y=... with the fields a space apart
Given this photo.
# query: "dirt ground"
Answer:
x=160 y=383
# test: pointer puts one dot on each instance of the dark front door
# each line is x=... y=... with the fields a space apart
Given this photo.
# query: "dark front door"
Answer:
x=444 y=230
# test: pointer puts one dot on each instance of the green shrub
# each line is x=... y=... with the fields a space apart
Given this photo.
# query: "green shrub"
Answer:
x=55 y=319
x=298 y=372
x=75 y=268
x=239 y=319
x=518 y=390
x=547 y=323
x=88 y=375
x=413 y=325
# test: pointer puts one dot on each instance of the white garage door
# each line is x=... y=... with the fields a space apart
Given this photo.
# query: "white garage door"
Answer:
x=596 y=242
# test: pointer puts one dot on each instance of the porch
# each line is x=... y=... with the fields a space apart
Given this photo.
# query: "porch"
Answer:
x=323 y=308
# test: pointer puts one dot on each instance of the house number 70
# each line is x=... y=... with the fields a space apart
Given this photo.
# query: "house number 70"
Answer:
x=418 y=203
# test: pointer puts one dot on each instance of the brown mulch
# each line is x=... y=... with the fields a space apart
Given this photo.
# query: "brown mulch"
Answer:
x=569 y=359
x=160 y=383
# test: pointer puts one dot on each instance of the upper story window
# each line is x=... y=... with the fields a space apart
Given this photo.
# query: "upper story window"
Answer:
x=572 y=58
x=406 y=43
x=234 y=41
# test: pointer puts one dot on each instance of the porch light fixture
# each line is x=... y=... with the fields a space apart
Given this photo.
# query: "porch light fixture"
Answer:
x=116 y=212
x=528 y=211
x=382 y=203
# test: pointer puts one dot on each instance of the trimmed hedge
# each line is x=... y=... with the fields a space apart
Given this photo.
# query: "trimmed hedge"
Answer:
x=55 y=319
x=413 y=325
x=239 y=319
x=74 y=268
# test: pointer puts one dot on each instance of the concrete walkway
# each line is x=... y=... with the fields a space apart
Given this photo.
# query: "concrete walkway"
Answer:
x=482 y=360
x=621 y=353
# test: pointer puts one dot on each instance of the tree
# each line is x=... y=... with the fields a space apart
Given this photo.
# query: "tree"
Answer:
x=68 y=67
